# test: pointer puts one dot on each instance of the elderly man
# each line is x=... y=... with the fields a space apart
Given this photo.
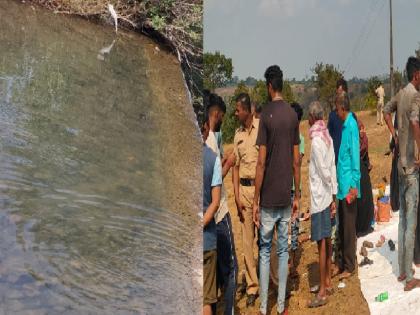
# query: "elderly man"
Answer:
x=323 y=188
x=408 y=175
x=348 y=173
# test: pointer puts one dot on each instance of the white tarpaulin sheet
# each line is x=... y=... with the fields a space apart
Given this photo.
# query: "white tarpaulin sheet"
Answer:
x=382 y=274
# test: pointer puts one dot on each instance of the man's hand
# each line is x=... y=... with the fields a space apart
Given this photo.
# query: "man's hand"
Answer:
x=353 y=194
x=240 y=207
x=333 y=209
x=256 y=215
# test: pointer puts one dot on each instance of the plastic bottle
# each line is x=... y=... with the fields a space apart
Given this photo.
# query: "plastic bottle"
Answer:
x=382 y=297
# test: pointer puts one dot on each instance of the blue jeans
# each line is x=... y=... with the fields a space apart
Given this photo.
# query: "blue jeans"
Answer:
x=409 y=193
x=270 y=218
x=227 y=266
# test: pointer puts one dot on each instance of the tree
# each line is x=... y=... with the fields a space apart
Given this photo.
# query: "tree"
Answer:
x=325 y=79
x=250 y=81
x=230 y=123
x=217 y=70
x=417 y=51
x=287 y=92
x=259 y=93
x=397 y=80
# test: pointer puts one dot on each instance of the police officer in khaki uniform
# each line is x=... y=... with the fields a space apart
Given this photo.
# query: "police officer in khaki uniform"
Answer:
x=246 y=154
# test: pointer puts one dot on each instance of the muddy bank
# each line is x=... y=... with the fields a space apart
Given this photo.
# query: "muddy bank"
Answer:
x=183 y=148
x=176 y=24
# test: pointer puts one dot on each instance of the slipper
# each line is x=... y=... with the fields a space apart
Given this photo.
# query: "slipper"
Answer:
x=412 y=284
x=366 y=261
x=317 y=301
x=367 y=244
x=315 y=289
x=363 y=251
x=381 y=241
x=391 y=245
x=404 y=276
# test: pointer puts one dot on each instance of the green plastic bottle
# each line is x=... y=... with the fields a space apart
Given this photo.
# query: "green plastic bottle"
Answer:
x=382 y=297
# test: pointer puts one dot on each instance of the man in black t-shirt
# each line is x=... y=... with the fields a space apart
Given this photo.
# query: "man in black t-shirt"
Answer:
x=277 y=167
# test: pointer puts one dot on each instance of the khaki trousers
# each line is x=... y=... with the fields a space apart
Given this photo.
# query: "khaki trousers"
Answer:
x=248 y=239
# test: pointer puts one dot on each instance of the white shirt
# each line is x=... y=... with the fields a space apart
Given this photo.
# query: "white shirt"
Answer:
x=322 y=175
x=380 y=92
x=223 y=208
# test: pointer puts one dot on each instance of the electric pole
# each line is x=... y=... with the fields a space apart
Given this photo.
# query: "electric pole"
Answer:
x=391 y=55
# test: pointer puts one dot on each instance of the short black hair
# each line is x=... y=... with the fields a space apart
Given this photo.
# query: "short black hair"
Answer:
x=211 y=100
x=343 y=100
x=413 y=65
x=298 y=109
x=258 y=109
x=274 y=76
x=245 y=101
x=343 y=83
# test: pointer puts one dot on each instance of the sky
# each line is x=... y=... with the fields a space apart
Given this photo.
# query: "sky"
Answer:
x=296 y=34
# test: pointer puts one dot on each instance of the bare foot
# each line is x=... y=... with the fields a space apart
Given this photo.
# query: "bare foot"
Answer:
x=344 y=275
x=334 y=270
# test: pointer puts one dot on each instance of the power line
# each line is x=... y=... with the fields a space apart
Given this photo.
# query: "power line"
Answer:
x=362 y=31
x=367 y=34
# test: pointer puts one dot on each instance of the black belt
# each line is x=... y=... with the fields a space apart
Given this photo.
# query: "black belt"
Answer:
x=247 y=182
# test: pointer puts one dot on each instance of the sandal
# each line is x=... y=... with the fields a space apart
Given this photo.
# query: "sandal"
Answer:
x=317 y=301
x=366 y=261
x=381 y=241
x=363 y=251
x=315 y=289
x=404 y=276
x=391 y=245
x=412 y=284
x=367 y=244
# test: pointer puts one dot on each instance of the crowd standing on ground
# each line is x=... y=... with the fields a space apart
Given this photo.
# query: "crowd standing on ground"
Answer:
x=266 y=163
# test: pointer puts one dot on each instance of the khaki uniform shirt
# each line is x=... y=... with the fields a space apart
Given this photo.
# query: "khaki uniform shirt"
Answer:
x=246 y=154
x=246 y=150
x=402 y=104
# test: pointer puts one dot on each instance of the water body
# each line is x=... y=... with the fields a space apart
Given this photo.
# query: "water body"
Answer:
x=100 y=178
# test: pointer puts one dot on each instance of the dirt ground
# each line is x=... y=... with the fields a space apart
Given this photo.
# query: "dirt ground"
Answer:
x=344 y=301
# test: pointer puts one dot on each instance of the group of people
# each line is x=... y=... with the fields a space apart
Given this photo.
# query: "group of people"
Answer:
x=266 y=163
